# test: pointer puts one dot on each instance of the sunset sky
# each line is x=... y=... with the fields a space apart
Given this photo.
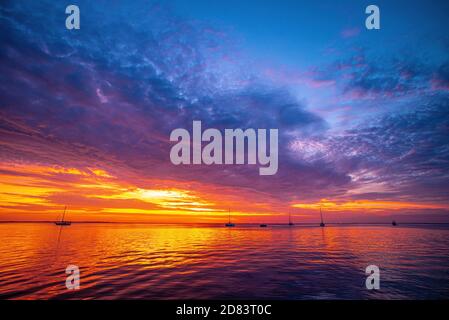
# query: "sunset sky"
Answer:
x=86 y=115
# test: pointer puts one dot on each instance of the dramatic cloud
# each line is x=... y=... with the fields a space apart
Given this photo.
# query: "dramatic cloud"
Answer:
x=101 y=101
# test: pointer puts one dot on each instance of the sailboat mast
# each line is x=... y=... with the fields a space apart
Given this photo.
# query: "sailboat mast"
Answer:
x=229 y=215
x=321 y=215
x=63 y=215
x=289 y=217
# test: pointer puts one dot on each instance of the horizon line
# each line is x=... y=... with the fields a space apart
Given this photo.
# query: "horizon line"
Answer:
x=220 y=223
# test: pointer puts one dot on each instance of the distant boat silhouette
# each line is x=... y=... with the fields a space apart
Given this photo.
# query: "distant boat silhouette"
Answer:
x=229 y=224
x=62 y=222
x=290 y=223
x=322 y=222
x=263 y=225
x=394 y=223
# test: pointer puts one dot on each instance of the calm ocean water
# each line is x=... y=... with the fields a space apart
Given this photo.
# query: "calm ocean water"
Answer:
x=205 y=262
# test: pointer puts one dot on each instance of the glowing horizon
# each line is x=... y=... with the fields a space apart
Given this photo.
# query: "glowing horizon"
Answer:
x=86 y=115
x=167 y=204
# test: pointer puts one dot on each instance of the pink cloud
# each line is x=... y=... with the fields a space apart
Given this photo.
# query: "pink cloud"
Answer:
x=350 y=32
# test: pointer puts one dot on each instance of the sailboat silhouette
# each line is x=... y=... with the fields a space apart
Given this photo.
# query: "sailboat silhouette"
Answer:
x=322 y=222
x=290 y=223
x=62 y=222
x=229 y=224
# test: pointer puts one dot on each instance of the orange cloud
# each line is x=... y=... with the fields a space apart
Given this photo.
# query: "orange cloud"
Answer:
x=37 y=192
x=374 y=205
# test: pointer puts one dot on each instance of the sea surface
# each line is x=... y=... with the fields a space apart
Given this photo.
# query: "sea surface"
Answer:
x=136 y=261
